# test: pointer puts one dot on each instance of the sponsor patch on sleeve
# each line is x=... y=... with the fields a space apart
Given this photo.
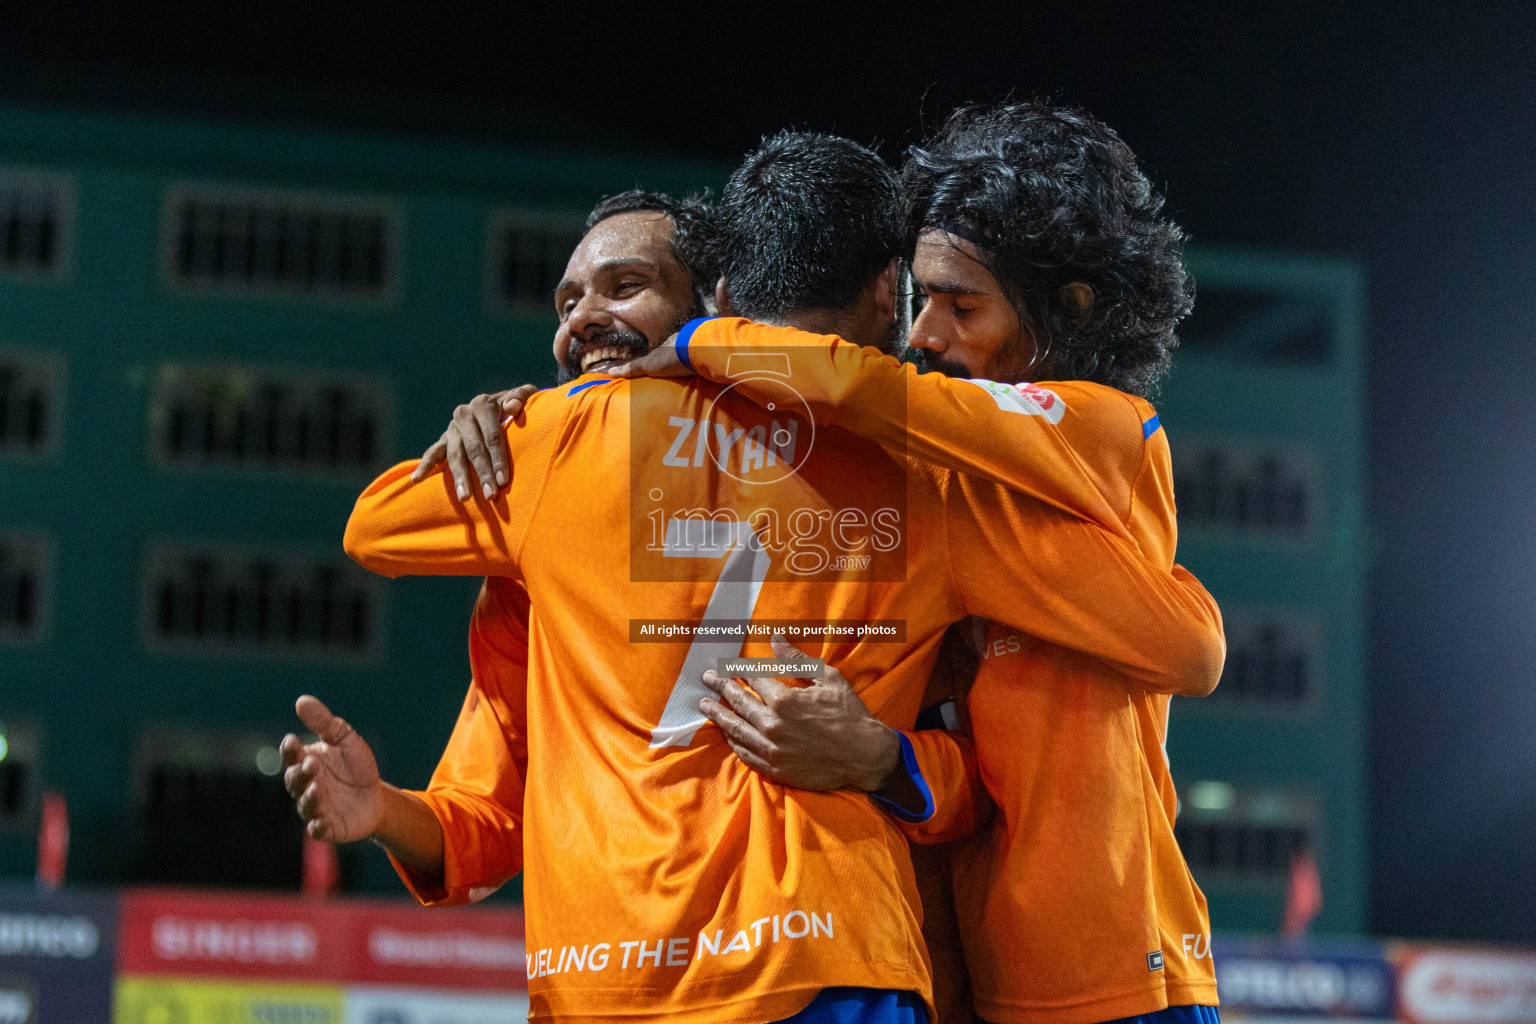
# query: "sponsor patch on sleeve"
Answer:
x=1028 y=399
x=1155 y=960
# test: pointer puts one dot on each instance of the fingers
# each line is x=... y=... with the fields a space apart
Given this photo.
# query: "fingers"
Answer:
x=430 y=460
x=467 y=432
x=458 y=465
x=738 y=731
x=319 y=821
x=488 y=416
x=474 y=443
x=784 y=650
x=770 y=691
x=662 y=361
x=317 y=825
x=633 y=368
x=751 y=760
x=512 y=402
x=297 y=778
x=764 y=691
x=309 y=801
x=318 y=719
x=741 y=700
x=292 y=751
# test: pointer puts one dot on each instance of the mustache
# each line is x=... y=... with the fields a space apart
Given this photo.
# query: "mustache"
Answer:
x=929 y=362
x=634 y=341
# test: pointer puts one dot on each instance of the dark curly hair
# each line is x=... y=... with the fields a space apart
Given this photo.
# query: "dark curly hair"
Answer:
x=693 y=233
x=1052 y=195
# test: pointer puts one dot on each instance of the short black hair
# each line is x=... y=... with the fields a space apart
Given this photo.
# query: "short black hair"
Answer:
x=1057 y=197
x=693 y=232
x=806 y=222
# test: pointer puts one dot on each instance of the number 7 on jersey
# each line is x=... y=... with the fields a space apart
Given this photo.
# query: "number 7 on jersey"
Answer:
x=734 y=597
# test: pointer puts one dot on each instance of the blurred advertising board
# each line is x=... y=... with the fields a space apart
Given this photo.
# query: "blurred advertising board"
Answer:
x=417 y=1006
x=56 y=956
x=190 y=957
x=462 y=966
x=1465 y=985
x=162 y=1001
x=190 y=934
x=1267 y=980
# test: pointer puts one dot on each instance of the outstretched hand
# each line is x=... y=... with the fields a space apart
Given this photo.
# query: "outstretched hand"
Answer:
x=662 y=361
x=335 y=781
x=817 y=737
x=474 y=441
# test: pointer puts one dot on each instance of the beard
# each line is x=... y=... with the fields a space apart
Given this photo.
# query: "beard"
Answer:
x=929 y=362
x=895 y=340
x=633 y=342
x=569 y=368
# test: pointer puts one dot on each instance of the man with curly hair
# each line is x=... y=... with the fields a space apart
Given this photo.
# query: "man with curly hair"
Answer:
x=1033 y=223
x=1041 y=255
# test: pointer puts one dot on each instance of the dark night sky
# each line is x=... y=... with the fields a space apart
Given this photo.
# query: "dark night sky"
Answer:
x=1402 y=136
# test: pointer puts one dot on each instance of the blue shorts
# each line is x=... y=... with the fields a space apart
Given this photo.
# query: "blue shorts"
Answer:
x=863 y=1006
x=1172 y=1015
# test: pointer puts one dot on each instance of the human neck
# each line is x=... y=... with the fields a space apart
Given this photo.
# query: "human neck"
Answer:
x=848 y=324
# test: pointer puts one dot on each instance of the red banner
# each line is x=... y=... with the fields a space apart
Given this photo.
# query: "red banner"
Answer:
x=398 y=944
x=1466 y=985
x=185 y=933
x=201 y=934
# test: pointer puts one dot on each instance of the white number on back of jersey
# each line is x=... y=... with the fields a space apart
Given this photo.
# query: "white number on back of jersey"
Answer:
x=734 y=597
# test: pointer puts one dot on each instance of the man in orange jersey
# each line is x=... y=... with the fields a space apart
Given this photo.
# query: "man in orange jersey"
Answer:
x=656 y=854
x=1042 y=255
x=644 y=268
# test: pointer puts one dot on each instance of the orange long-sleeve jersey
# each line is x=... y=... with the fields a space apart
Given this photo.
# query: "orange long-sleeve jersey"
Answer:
x=662 y=877
x=477 y=789
x=1075 y=904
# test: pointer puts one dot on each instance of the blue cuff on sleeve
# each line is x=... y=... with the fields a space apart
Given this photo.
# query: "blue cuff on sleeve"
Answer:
x=686 y=334
x=909 y=765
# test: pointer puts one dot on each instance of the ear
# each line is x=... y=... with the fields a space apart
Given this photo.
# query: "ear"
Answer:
x=1077 y=297
x=723 y=299
x=885 y=289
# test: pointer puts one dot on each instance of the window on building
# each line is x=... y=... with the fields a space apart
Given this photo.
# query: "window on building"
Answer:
x=1234 y=835
x=1266 y=325
x=26 y=571
x=260 y=602
x=1275 y=659
x=1247 y=489
x=30 y=388
x=36 y=223
x=528 y=254
x=19 y=750
x=212 y=811
x=262 y=242
x=250 y=418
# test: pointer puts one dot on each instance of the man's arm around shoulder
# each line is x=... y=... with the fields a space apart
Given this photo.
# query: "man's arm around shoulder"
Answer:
x=400 y=527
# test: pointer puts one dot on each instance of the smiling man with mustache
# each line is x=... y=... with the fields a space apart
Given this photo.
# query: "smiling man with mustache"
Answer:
x=644 y=268
x=640 y=273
